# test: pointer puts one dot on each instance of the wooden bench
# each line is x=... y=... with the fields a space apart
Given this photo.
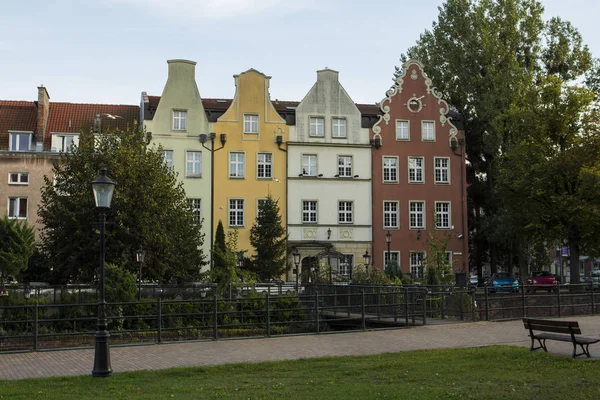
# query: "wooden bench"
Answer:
x=564 y=331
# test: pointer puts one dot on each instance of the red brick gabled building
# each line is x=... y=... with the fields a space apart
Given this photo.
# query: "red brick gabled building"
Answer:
x=418 y=170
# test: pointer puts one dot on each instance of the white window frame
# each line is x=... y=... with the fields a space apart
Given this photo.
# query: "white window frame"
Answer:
x=237 y=165
x=440 y=171
x=311 y=211
x=414 y=258
x=17 y=138
x=395 y=256
x=317 y=126
x=251 y=124
x=344 y=267
x=345 y=166
x=19 y=178
x=63 y=140
x=193 y=159
x=345 y=212
x=428 y=135
x=238 y=213
x=391 y=214
x=392 y=171
x=441 y=222
x=168 y=158
x=401 y=133
x=196 y=208
x=416 y=217
x=416 y=172
x=179 y=120
x=264 y=160
x=338 y=128
x=17 y=214
x=308 y=169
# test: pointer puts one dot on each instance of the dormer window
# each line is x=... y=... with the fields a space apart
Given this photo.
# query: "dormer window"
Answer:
x=179 y=120
x=20 y=141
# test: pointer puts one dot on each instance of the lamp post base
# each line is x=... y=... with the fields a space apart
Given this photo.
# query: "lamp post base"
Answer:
x=102 y=366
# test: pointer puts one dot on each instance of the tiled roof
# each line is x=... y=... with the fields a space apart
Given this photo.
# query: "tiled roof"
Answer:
x=74 y=117
x=368 y=109
x=17 y=116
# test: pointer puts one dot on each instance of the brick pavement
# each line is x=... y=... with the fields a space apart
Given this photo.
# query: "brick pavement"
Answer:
x=132 y=358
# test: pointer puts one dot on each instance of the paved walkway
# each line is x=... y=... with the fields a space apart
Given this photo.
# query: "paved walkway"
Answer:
x=80 y=362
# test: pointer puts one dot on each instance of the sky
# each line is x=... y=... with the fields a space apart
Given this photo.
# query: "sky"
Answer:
x=109 y=51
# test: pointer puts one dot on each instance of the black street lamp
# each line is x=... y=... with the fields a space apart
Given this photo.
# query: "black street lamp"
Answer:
x=139 y=257
x=103 y=189
x=203 y=138
x=388 y=239
x=296 y=256
x=367 y=260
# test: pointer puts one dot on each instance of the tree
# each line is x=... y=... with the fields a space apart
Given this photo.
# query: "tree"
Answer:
x=438 y=266
x=149 y=209
x=219 y=250
x=269 y=239
x=17 y=242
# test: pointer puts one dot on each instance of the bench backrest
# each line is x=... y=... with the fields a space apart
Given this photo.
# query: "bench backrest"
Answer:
x=547 y=325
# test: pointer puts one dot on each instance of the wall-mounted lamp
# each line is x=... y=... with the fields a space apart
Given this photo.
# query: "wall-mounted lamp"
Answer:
x=355 y=176
x=376 y=143
x=279 y=141
x=320 y=175
x=460 y=236
x=328 y=233
x=336 y=176
x=366 y=260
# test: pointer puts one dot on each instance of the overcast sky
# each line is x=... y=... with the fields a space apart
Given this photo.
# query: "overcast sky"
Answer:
x=109 y=51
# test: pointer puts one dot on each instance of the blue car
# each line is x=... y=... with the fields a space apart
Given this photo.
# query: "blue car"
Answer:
x=503 y=282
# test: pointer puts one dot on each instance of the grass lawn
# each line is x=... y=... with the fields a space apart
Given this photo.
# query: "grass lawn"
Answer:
x=498 y=372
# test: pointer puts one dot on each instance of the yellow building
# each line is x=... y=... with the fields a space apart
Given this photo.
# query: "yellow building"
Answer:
x=252 y=165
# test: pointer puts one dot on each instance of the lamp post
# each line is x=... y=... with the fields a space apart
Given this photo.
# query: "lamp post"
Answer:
x=103 y=189
x=296 y=256
x=388 y=239
x=367 y=260
x=203 y=138
x=139 y=257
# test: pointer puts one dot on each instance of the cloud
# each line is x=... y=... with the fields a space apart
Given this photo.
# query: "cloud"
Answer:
x=217 y=9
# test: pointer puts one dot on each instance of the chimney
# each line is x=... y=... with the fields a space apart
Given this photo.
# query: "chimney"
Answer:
x=43 y=105
x=182 y=70
x=327 y=75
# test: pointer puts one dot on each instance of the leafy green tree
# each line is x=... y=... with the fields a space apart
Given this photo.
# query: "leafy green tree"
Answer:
x=17 y=242
x=219 y=249
x=226 y=273
x=269 y=239
x=392 y=269
x=121 y=285
x=149 y=209
x=438 y=267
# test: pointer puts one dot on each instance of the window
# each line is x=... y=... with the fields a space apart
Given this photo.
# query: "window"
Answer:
x=393 y=256
x=194 y=205
x=416 y=214
x=309 y=212
x=66 y=143
x=179 y=120
x=427 y=130
x=390 y=169
x=193 y=164
x=345 y=212
x=309 y=164
x=250 y=123
x=345 y=166
x=339 y=128
x=417 y=259
x=390 y=215
x=402 y=130
x=317 y=126
x=264 y=165
x=236 y=212
x=346 y=264
x=442 y=170
x=168 y=158
x=237 y=165
x=415 y=169
x=20 y=141
x=17 y=207
x=18 y=178
x=442 y=215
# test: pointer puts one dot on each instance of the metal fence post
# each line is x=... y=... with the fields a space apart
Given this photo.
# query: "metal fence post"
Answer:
x=523 y=302
x=35 y=327
x=473 y=306
x=215 y=316
x=425 y=308
x=268 y=314
x=442 y=306
x=558 y=295
x=334 y=300
x=462 y=306
x=364 y=323
x=593 y=300
x=395 y=304
x=406 y=305
x=487 y=304
x=159 y=329
x=317 y=309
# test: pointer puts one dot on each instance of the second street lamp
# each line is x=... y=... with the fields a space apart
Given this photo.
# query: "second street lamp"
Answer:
x=103 y=189
x=296 y=256
x=139 y=257
x=388 y=239
x=367 y=260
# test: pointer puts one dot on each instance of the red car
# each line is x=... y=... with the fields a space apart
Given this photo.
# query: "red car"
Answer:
x=542 y=280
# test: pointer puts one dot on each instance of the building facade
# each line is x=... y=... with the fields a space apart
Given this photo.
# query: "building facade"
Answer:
x=419 y=177
x=329 y=181
x=252 y=164
x=176 y=121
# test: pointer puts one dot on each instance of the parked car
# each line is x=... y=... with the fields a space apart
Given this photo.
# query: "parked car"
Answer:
x=541 y=280
x=593 y=280
x=503 y=282
x=473 y=280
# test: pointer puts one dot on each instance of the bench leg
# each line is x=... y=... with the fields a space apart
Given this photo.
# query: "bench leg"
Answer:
x=542 y=343
x=585 y=350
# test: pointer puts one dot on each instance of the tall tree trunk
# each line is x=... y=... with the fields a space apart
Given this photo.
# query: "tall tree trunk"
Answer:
x=574 y=250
